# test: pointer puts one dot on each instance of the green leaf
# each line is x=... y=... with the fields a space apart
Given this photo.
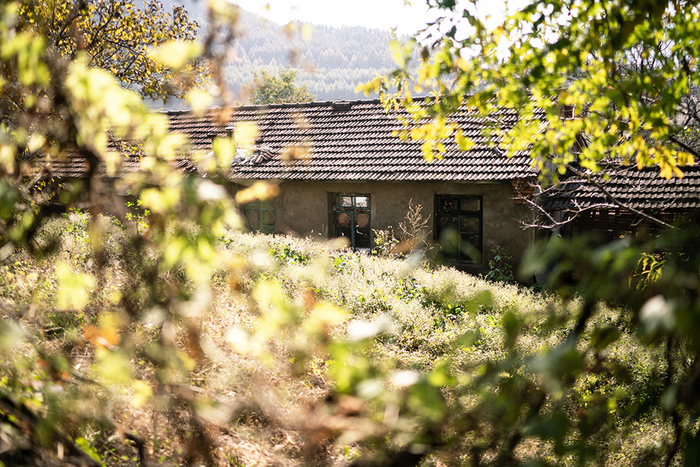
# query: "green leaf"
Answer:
x=603 y=337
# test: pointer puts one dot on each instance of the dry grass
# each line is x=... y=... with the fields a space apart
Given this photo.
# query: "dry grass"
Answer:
x=266 y=408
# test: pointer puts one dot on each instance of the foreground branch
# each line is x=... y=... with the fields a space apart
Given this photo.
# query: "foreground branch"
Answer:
x=619 y=203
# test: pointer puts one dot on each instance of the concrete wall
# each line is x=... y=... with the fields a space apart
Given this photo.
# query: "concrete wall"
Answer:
x=305 y=209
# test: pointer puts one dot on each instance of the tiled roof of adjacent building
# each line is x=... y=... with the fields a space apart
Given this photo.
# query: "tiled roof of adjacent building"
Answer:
x=351 y=141
x=642 y=189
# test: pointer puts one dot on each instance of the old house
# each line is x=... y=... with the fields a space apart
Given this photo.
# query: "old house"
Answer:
x=342 y=171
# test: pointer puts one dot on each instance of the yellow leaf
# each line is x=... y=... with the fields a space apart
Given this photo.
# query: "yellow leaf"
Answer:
x=160 y=200
x=666 y=171
x=142 y=393
x=112 y=366
x=100 y=337
x=199 y=100
x=462 y=64
x=306 y=32
x=74 y=289
x=417 y=133
x=324 y=316
x=259 y=191
x=246 y=134
x=176 y=54
x=7 y=158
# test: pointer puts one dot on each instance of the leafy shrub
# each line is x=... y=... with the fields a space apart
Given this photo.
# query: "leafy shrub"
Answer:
x=288 y=254
x=500 y=270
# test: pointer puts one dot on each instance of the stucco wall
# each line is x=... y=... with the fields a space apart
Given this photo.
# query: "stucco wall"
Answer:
x=304 y=209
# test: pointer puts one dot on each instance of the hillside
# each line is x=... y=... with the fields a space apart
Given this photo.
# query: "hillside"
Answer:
x=333 y=61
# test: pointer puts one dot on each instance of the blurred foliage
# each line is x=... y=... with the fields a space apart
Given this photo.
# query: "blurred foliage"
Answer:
x=351 y=353
x=142 y=328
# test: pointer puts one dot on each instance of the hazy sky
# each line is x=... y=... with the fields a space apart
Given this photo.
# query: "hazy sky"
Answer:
x=380 y=14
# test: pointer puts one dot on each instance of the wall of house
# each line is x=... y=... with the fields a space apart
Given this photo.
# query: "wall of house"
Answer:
x=305 y=209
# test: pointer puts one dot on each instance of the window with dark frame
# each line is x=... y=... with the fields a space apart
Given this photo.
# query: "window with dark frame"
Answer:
x=260 y=217
x=459 y=221
x=352 y=219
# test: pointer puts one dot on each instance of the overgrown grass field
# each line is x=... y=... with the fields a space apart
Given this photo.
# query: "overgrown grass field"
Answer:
x=296 y=352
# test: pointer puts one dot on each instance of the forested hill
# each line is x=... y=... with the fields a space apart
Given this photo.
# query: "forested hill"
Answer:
x=332 y=61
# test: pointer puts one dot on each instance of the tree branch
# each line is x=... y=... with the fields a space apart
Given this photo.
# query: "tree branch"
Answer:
x=685 y=147
x=617 y=202
x=553 y=223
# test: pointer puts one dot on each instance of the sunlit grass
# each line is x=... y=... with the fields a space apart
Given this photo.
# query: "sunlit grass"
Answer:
x=428 y=310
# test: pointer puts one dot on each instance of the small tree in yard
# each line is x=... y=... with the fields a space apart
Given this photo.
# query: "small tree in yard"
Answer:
x=500 y=269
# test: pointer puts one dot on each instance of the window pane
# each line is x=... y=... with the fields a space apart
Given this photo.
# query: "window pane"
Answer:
x=352 y=219
x=469 y=248
x=459 y=226
x=362 y=219
x=448 y=222
x=470 y=204
x=268 y=229
x=260 y=217
x=362 y=238
x=343 y=219
x=469 y=225
x=342 y=225
x=253 y=216
x=449 y=240
x=447 y=205
x=268 y=216
x=471 y=238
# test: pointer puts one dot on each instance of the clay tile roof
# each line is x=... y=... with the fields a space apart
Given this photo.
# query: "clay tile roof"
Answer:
x=641 y=189
x=350 y=141
x=73 y=166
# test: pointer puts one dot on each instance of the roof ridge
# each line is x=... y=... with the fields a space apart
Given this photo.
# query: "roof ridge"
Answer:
x=286 y=105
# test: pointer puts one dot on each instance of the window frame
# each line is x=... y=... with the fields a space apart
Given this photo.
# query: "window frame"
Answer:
x=355 y=208
x=260 y=207
x=460 y=255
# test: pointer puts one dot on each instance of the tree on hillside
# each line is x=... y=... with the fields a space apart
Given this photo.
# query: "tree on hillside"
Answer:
x=117 y=36
x=280 y=88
